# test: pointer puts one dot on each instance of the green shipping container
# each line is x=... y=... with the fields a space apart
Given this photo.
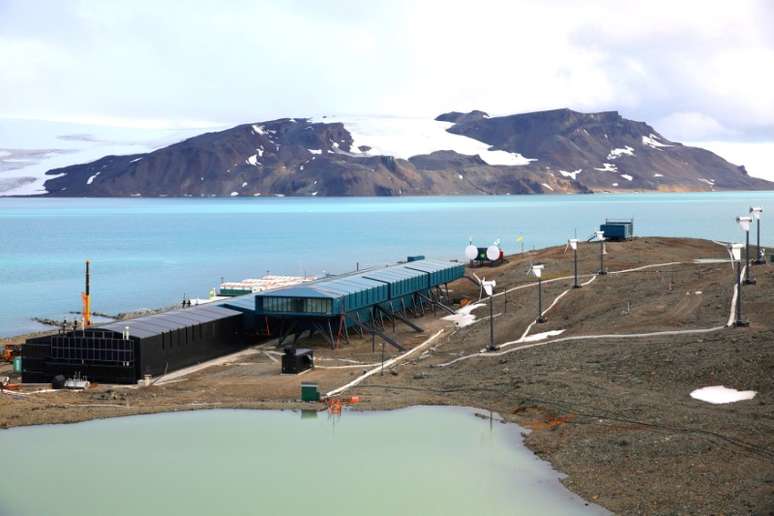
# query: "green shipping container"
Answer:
x=17 y=364
x=310 y=392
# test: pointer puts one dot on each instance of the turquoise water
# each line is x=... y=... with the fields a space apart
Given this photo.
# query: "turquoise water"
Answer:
x=150 y=252
x=419 y=461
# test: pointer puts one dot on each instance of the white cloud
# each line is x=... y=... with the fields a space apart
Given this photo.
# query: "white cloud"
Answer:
x=691 y=126
x=252 y=60
x=757 y=157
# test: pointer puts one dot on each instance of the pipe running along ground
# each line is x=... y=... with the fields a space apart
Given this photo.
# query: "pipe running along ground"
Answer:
x=381 y=367
x=484 y=353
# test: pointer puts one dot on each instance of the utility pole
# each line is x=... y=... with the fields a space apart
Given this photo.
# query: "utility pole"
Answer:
x=601 y=237
x=574 y=245
x=489 y=289
x=491 y=324
x=537 y=270
x=757 y=213
x=744 y=224
x=736 y=254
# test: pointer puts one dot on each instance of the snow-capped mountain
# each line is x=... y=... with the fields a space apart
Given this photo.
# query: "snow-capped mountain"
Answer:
x=456 y=153
x=30 y=148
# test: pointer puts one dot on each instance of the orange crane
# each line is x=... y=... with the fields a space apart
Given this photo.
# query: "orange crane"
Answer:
x=86 y=298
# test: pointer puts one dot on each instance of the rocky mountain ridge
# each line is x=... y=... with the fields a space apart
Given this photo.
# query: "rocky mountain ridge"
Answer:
x=566 y=152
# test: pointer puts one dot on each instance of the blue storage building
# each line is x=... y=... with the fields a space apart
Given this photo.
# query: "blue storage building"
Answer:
x=617 y=229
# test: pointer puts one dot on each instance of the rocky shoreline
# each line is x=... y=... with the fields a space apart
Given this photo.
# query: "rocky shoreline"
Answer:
x=614 y=413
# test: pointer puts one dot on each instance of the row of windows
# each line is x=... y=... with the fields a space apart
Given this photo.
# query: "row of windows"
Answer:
x=297 y=305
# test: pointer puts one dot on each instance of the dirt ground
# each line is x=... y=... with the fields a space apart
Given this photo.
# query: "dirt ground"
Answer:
x=612 y=413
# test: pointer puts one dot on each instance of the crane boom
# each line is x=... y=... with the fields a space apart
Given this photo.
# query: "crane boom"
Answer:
x=86 y=298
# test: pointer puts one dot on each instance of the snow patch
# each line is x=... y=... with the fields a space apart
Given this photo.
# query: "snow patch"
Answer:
x=710 y=182
x=258 y=129
x=314 y=194
x=652 y=142
x=658 y=175
x=135 y=160
x=617 y=153
x=542 y=336
x=615 y=184
x=252 y=160
x=548 y=186
x=92 y=178
x=315 y=151
x=627 y=177
x=608 y=167
x=460 y=176
x=463 y=317
x=719 y=394
x=234 y=194
x=572 y=175
x=403 y=137
x=244 y=184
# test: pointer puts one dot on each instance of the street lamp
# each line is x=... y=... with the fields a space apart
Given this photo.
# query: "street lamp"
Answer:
x=489 y=289
x=736 y=256
x=600 y=235
x=574 y=245
x=745 y=223
x=537 y=271
x=757 y=213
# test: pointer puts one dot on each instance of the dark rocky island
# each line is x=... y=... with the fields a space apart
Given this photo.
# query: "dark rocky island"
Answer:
x=568 y=151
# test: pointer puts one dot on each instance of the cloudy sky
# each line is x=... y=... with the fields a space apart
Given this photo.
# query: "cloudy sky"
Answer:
x=697 y=71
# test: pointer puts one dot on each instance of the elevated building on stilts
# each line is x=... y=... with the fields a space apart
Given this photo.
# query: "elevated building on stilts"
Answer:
x=362 y=302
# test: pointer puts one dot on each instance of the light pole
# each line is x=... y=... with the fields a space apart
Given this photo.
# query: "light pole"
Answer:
x=757 y=213
x=600 y=235
x=736 y=256
x=574 y=245
x=489 y=289
x=745 y=223
x=537 y=270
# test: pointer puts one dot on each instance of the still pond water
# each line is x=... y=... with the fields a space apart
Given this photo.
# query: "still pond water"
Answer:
x=418 y=461
x=148 y=253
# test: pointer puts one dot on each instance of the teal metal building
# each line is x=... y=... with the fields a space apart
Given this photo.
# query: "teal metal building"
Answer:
x=361 y=301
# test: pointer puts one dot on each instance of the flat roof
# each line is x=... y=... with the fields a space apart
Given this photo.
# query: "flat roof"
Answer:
x=151 y=325
x=393 y=274
x=338 y=286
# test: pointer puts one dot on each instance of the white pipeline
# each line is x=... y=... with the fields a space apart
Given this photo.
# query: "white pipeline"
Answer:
x=382 y=366
x=734 y=298
x=585 y=337
x=521 y=339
